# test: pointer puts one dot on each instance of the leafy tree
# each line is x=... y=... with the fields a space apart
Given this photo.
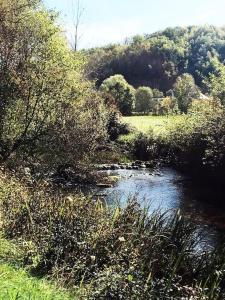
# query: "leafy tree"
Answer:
x=42 y=89
x=216 y=81
x=168 y=106
x=157 y=94
x=185 y=90
x=122 y=92
x=144 y=102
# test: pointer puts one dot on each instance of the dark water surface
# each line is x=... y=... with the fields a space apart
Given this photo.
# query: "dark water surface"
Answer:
x=168 y=189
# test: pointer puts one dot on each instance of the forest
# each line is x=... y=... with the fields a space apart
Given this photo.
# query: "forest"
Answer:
x=112 y=162
x=156 y=60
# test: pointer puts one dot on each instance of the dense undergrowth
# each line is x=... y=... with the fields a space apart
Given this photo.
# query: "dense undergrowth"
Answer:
x=101 y=252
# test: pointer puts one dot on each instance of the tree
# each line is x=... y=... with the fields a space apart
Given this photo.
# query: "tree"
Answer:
x=77 y=11
x=144 y=102
x=122 y=92
x=157 y=94
x=169 y=106
x=216 y=81
x=185 y=91
x=156 y=60
x=42 y=88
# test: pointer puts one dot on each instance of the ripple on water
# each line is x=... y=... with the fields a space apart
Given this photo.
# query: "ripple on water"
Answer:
x=168 y=189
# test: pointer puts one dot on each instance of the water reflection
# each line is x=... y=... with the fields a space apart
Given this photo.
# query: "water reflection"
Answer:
x=168 y=189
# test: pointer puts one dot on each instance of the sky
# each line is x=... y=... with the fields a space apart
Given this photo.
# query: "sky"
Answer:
x=112 y=21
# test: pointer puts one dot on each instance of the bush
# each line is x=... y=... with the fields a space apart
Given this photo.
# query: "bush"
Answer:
x=115 y=127
x=199 y=138
x=168 y=106
x=148 y=146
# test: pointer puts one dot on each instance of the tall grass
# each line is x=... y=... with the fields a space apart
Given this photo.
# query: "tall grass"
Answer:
x=108 y=253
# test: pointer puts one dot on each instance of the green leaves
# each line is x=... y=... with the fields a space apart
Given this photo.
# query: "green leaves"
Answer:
x=216 y=81
x=185 y=91
x=45 y=99
x=121 y=91
x=144 y=102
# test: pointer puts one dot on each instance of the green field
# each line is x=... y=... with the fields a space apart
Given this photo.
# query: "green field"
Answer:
x=146 y=123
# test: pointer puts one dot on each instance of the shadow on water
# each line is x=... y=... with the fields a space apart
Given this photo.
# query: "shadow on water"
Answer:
x=168 y=189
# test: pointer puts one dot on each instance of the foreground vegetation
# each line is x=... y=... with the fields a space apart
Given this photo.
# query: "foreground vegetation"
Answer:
x=107 y=253
x=18 y=284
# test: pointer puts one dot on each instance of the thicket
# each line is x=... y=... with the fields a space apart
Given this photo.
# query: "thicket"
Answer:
x=49 y=113
x=198 y=139
x=195 y=140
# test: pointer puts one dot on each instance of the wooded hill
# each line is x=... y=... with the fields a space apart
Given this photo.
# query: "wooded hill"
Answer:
x=157 y=59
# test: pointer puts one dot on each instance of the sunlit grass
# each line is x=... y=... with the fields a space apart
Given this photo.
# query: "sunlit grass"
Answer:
x=17 y=284
x=146 y=123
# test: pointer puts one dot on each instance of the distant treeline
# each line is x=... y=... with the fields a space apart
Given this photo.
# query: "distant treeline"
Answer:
x=156 y=60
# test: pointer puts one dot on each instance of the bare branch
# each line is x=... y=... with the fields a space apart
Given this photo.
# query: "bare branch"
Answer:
x=78 y=12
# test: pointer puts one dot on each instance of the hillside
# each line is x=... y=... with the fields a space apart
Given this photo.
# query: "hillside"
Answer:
x=157 y=59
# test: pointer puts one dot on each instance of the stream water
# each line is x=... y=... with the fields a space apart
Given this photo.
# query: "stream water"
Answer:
x=168 y=189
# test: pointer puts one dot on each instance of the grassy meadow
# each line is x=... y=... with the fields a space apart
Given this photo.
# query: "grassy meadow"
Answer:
x=146 y=123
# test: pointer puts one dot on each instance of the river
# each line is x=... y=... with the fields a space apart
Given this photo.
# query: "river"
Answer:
x=168 y=189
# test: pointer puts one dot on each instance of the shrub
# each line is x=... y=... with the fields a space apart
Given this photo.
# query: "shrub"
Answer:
x=148 y=146
x=199 y=138
x=168 y=106
x=115 y=127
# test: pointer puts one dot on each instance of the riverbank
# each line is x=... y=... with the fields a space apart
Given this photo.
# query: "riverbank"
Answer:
x=193 y=142
x=87 y=245
x=101 y=250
